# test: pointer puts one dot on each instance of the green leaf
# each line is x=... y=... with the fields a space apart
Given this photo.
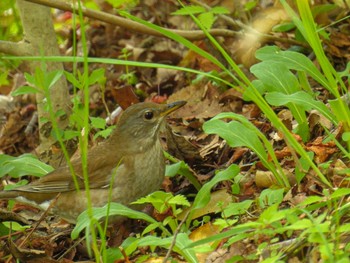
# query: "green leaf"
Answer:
x=181 y=245
x=300 y=172
x=340 y=192
x=25 y=164
x=237 y=135
x=207 y=19
x=346 y=136
x=14 y=226
x=52 y=77
x=292 y=60
x=219 y=10
x=338 y=107
x=96 y=76
x=191 y=9
x=237 y=208
x=276 y=77
x=105 y=133
x=25 y=90
x=99 y=213
x=70 y=134
x=98 y=123
x=183 y=169
x=70 y=77
x=303 y=100
x=30 y=79
x=203 y=196
x=300 y=225
x=271 y=214
x=284 y=27
x=162 y=200
x=269 y=197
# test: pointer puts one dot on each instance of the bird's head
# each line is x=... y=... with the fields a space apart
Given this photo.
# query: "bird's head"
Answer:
x=138 y=127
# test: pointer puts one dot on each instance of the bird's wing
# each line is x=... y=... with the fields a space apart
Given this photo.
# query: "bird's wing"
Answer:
x=100 y=169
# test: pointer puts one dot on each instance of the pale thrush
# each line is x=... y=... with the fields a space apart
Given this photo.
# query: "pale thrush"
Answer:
x=133 y=153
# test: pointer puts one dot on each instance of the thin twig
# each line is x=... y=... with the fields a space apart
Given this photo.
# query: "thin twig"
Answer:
x=167 y=256
x=248 y=29
x=132 y=25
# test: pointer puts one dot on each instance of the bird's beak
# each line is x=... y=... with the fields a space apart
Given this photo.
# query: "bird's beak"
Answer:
x=172 y=107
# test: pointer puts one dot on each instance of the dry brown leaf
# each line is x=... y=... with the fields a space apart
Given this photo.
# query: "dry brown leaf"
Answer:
x=244 y=49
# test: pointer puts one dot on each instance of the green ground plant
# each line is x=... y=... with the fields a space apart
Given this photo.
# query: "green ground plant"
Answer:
x=281 y=80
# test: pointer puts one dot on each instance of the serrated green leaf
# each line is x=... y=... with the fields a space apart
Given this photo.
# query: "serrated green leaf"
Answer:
x=98 y=123
x=219 y=10
x=105 y=133
x=207 y=19
x=191 y=9
x=179 y=200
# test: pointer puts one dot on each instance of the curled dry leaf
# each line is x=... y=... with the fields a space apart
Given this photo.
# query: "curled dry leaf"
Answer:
x=244 y=49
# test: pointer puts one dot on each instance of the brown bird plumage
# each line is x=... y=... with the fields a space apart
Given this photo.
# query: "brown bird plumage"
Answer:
x=133 y=153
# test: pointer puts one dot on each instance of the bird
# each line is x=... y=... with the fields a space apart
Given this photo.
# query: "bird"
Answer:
x=132 y=154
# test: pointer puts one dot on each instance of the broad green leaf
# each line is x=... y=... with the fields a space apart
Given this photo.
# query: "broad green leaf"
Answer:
x=25 y=164
x=99 y=213
x=203 y=196
x=173 y=169
x=237 y=135
x=292 y=60
x=303 y=100
x=338 y=107
x=183 y=169
x=346 y=136
x=70 y=134
x=276 y=77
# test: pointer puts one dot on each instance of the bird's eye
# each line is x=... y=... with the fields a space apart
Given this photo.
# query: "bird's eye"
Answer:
x=148 y=115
